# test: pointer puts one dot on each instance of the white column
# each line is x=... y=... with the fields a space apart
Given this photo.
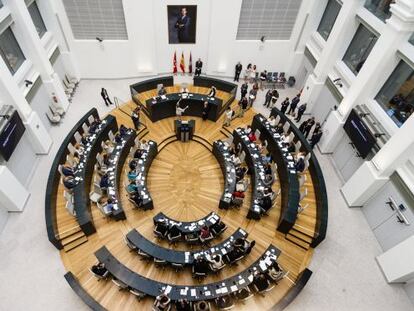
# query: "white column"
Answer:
x=331 y=52
x=397 y=31
x=36 y=52
x=39 y=137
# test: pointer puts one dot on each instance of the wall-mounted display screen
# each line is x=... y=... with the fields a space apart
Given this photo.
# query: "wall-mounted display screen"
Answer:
x=10 y=135
x=182 y=22
x=359 y=134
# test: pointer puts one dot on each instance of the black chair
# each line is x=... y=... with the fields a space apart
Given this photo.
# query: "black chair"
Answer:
x=224 y=302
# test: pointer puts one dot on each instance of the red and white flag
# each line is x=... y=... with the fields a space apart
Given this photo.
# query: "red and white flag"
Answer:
x=190 y=65
x=175 y=63
x=182 y=63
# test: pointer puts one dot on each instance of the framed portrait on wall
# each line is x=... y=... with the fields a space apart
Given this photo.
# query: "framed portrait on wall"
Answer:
x=182 y=22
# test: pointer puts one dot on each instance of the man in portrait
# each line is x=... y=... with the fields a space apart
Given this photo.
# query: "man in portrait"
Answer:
x=183 y=26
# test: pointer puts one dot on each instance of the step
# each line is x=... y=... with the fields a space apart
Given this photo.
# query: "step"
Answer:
x=297 y=241
x=67 y=233
x=141 y=136
x=301 y=235
x=302 y=229
x=75 y=243
x=72 y=238
x=225 y=133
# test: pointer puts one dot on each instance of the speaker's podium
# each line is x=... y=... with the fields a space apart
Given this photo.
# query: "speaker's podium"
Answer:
x=184 y=130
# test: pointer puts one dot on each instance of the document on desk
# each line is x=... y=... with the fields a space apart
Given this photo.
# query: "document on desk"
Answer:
x=163 y=97
x=234 y=288
x=184 y=291
x=193 y=292
x=168 y=290
x=262 y=265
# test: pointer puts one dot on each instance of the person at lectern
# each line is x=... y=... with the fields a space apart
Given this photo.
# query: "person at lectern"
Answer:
x=183 y=26
x=206 y=110
x=198 y=66
x=179 y=111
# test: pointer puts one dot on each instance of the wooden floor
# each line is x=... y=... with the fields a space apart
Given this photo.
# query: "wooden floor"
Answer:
x=185 y=183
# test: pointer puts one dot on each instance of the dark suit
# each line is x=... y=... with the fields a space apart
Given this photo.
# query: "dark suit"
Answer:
x=198 y=65
x=237 y=72
x=183 y=29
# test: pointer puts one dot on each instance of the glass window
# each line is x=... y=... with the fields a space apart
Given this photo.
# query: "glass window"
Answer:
x=396 y=97
x=1 y=4
x=37 y=19
x=328 y=19
x=411 y=40
x=359 y=49
x=10 y=51
x=380 y=8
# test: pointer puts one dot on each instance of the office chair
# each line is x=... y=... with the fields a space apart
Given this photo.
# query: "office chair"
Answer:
x=160 y=263
x=177 y=266
x=100 y=277
x=173 y=239
x=244 y=294
x=137 y=294
x=191 y=239
x=121 y=285
x=131 y=246
x=144 y=256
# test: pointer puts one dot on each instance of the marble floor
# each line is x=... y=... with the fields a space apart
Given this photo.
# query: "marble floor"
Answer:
x=345 y=274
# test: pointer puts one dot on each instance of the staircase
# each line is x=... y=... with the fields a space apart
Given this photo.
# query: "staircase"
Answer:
x=299 y=238
x=72 y=238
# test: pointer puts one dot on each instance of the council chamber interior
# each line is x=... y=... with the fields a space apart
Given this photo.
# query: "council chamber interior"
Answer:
x=207 y=155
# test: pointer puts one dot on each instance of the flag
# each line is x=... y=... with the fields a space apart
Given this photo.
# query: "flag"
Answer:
x=190 y=65
x=182 y=63
x=175 y=63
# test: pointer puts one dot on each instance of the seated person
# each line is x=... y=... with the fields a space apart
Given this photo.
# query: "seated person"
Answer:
x=275 y=272
x=106 y=159
x=183 y=305
x=144 y=145
x=184 y=89
x=204 y=233
x=174 y=231
x=267 y=158
x=252 y=137
x=201 y=265
x=132 y=175
x=136 y=197
x=94 y=125
x=104 y=183
x=268 y=169
x=218 y=227
x=110 y=204
x=243 y=293
x=162 y=227
x=235 y=254
x=108 y=147
x=212 y=92
x=118 y=138
x=300 y=162
x=202 y=306
x=162 y=303
x=99 y=269
x=224 y=302
x=248 y=129
x=272 y=121
x=138 y=153
x=242 y=244
x=76 y=158
x=279 y=129
x=79 y=148
x=238 y=194
x=286 y=139
x=240 y=173
x=67 y=170
x=260 y=281
x=162 y=91
x=291 y=147
x=266 y=201
x=69 y=182
x=132 y=187
x=235 y=159
x=133 y=164
x=123 y=130
x=216 y=262
x=84 y=139
x=261 y=147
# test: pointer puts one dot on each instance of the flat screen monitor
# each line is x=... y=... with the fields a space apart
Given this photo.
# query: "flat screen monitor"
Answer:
x=359 y=134
x=10 y=135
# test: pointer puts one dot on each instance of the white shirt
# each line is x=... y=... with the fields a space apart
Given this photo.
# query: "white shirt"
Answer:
x=229 y=114
x=286 y=139
x=272 y=122
x=179 y=111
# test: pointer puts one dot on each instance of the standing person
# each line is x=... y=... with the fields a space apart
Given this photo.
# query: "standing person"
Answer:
x=263 y=76
x=285 y=104
x=302 y=126
x=316 y=137
x=135 y=117
x=237 y=71
x=243 y=89
x=105 y=97
x=179 y=111
x=301 y=111
x=294 y=104
x=198 y=65
x=268 y=98
x=247 y=72
x=228 y=115
x=252 y=96
x=183 y=27
x=253 y=74
x=242 y=106
x=275 y=97
x=308 y=127
x=206 y=110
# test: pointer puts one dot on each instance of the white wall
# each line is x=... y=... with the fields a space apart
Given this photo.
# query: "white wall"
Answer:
x=147 y=51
